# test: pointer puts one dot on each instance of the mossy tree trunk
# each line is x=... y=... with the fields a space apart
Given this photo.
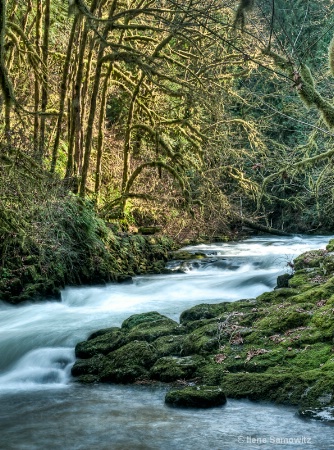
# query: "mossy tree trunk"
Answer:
x=63 y=92
x=45 y=77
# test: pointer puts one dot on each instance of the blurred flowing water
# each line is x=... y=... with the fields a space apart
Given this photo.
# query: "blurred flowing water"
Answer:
x=41 y=407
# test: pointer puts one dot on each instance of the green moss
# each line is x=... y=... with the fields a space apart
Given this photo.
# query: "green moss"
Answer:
x=138 y=319
x=149 y=230
x=311 y=357
x=72 y=247
x=323 y=319
x=172 y=368
x=311 y=259
x=153 y=329
x=129 y=363
x=317 y=293
x=307 y=75
x=203 y=340
x=330 y=246
x=169 y=345
x=305 y=279
x=101 y=344
x=276 y=296
x=88 y=379
x=183 y=255
x=283 y=317
x=196 y=397
x=320 y=393
x=91 y=366
x=203 y=311
x=307 y=94
x=254 y=386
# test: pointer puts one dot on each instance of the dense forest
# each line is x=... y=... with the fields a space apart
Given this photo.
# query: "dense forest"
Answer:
x=194 y=118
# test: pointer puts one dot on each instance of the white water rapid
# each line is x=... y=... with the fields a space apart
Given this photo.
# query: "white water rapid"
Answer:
x=41 y=407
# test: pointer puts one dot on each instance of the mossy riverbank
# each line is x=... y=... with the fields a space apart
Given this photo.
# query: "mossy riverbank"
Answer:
x=277 y=347
x=72 y=246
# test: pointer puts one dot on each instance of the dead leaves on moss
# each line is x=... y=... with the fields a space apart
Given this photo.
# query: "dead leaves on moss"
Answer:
x=252 y=353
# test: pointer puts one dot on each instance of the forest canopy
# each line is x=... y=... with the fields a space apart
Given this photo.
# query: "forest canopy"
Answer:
x=186 y=115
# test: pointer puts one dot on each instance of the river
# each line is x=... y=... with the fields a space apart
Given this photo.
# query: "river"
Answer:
x=41 y=407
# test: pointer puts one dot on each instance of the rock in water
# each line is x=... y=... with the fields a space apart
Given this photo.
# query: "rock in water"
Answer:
x=196 y=397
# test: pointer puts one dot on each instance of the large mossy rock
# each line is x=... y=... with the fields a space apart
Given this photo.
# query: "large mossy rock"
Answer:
x=203 y=311
x=173 y=368
x=103 y=343
x=148 y=327
x=129 y=363
x=196 y=397
x=127 y=354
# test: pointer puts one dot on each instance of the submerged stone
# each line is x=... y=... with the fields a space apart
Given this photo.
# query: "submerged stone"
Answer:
x=323 y=414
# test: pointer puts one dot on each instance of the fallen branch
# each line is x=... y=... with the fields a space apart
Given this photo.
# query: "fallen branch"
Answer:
x=263 y=228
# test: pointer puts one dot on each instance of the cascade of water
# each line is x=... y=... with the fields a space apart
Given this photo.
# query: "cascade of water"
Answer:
x=36 y=339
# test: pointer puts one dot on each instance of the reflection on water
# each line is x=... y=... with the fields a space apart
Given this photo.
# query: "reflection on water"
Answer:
x=123 y=417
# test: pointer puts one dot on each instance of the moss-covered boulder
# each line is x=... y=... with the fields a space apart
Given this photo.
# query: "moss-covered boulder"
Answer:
x=310 y=259
x=89 y=367
x=103 y=343
x=128 y=353
x=170 y=345
x=196 y=397
x=138 y=319
x=283 y=280
x=149 y=327
x=202 y=340
x=129 y=363
x=173 y=368
x=320 y=259
x=203 y=311
x=183 y=255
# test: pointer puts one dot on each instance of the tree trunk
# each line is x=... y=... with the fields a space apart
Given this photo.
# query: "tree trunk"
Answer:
x=37 y=83
x=101 y=132
x=63 y=93
x=93 y=103
x=45 y=87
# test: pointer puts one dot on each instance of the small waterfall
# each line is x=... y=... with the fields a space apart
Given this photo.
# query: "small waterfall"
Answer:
x=41 y=367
